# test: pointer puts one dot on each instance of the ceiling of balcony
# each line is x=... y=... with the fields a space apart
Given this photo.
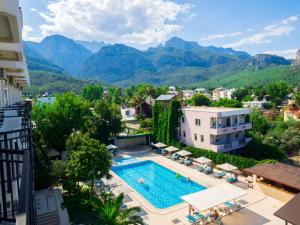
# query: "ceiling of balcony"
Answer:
x=5 y=31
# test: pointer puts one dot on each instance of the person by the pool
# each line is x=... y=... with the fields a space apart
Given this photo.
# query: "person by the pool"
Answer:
x=188 y=179
x=141 y=181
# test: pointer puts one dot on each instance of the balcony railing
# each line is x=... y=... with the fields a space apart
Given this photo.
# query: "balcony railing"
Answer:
x=16 y=169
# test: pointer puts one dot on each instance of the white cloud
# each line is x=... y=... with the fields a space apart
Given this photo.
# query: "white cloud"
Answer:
x=221 y=36
x=276 y=29
x=33 y=10
x=141 y=22
x=288 y=54
x=26 y=34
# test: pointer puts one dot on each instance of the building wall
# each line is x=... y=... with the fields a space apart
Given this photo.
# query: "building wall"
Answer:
x=205 y=136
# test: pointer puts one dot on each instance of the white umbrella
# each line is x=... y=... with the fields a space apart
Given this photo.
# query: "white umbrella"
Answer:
x=160 y=145
x=202 y=160
x=171 y=149
x=227 y=167
x=111 y=147
x=183 y=153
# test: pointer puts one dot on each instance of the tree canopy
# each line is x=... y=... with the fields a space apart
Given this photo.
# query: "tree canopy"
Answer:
x=92 y=92
x=199 y=100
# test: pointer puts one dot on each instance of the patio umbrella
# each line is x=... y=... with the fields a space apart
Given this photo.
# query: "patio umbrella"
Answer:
x=171 y=149
x=227 y=167
x=160 y=145
x=202 y=160
x=183 y=153
x=111 y=147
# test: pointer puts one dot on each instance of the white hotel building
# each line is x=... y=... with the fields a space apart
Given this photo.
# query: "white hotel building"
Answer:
x=13 y=69
x=215 y=128
x=16 y=152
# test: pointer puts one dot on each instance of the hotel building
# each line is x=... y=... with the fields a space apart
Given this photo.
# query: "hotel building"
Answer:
x=215 y=128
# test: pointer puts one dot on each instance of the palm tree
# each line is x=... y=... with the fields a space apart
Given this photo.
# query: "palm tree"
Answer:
x=110 y=213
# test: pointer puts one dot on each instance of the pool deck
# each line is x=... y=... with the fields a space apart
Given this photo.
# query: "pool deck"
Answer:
x=257 y=209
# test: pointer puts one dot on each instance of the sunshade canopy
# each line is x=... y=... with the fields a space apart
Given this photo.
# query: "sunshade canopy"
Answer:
x=227 y=167
x=183 y=153
x=160 y=145
x=279 y=173
x=290 y=211
x=202 y=160
x=171 y=149
x=214 y=196
x=111 y=147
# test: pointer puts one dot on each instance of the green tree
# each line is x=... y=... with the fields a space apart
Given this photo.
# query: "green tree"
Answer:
x=89 y=161
x=92 y=92
x=277 y=91
x=225 y=102
x=296 y=98
x=106 y=121
x=59 y=169
x=260 y=124
x=241 y=93
x=290 y=140
x=199 y=100
x=57 y=121
x=166 y=121
x=110 y=212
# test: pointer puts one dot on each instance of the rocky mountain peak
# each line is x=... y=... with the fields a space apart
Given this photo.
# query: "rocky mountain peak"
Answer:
x=297 y=60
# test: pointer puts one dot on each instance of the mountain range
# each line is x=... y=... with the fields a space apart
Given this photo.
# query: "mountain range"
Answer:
x=176 y=62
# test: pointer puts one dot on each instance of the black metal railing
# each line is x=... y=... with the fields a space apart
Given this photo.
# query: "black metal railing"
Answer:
x=17 y=201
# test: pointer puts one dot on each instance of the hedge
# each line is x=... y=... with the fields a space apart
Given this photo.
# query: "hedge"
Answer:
x=220 y=158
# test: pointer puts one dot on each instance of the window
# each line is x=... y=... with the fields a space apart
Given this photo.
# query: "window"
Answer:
x=183 y=133
x=235 y=120
x=197 y=122
x=195 y=136
x=236 y=135
x=202 y=138
x=182 y=119
x=217 y=139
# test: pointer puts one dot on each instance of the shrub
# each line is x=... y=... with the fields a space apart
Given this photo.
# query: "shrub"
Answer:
x=220 y=158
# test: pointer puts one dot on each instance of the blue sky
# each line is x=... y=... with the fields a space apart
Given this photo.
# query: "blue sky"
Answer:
x=256 y=26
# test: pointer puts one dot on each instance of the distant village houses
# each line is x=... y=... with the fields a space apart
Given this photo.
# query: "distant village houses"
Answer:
x=220 y=93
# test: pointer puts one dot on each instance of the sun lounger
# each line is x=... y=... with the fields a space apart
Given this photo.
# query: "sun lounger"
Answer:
x=233 y=206
x=164 y=152
x=220 y=175
x=208 y=170
x=201 y=218
x=201 y=168
x=232 y=179
x=192 y=219
x=187 y=162
x=175 y=156
x=218 y=221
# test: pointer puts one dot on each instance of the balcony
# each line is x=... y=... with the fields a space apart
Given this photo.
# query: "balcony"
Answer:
x=16 y=167
x=229 y=129
x=229 y=146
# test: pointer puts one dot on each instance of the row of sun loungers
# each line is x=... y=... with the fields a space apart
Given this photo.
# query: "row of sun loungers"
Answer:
x=209 y=170
x=206 y=217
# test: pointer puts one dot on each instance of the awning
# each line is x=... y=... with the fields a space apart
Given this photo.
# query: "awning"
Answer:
x=160 y=145
x=290 y=211
x=227 y=167
x=183 y=153
x=111 y=147
x=202 y=160
x=214 y=196
x=171 y=149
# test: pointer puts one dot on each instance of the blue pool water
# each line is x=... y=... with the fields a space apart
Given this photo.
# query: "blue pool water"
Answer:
x=125 y=161
x=161 y=187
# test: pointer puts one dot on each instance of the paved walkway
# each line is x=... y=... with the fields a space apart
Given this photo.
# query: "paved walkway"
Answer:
x=257 y=209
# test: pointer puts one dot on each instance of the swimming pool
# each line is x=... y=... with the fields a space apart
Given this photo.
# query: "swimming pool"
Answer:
x=162 y=187
x=125 y=161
